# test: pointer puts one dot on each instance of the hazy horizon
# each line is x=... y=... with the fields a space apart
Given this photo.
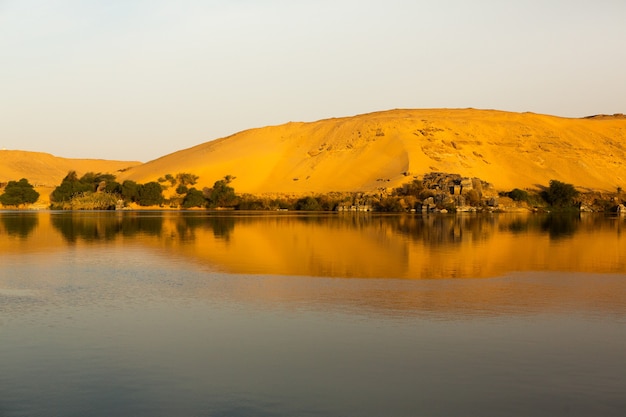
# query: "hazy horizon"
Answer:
x=137 y=79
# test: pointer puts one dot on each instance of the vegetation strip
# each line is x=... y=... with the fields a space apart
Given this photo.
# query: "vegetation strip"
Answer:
x=434 y=192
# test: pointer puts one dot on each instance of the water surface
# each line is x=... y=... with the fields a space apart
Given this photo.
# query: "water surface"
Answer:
x=202 y=314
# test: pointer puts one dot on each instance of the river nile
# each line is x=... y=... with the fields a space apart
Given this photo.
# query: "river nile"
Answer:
x=282 y=314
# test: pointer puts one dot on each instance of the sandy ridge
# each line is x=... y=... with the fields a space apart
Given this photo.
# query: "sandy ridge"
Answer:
x=386 y=149
x=378 y=150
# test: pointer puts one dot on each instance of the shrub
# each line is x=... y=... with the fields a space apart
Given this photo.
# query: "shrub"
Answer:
x=72 y=186
x=185 y=178
x=19 y=192
x=221 y=195
x=414 y=188
x=194 y=198
x=251 y=202
x=92 y=201
x=69 y=187
x=113 y=187
x=308 y=204
x=130 y=190
x=559 y=194
x=96 y=180
x=389 y=204
x=518 y=195
x=282 y=204
x=150 y=194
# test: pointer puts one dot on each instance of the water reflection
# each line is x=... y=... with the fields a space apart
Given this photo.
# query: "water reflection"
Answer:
x=344 y=245
x=18 y=224
x=561 y=226
x=97 y=226
x=128 y=306
x=220 y=226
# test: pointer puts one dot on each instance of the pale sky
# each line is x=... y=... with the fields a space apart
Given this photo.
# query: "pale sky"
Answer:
x=139 y=79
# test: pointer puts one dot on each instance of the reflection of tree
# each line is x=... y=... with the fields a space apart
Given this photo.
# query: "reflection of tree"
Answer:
x=520 y=224
x=516 y=226
x=443 y=229
x=104 y=226
x=454 y=229
x=431 y=230
x=222 y=226
x=151 y=225
x=20 y=224
x=89 y=228
x=560 y=226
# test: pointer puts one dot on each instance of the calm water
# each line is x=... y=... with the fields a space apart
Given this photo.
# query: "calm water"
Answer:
x=198 y=314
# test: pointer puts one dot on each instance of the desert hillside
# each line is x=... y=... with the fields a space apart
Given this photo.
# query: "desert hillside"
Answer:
x=43 y=169
x=46 y=171
x=386 y=149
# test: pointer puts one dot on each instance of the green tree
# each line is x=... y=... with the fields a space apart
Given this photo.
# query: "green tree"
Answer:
x=559 y=194
x=222 y=195
x=518 y=195
x=150 y=194
x=389 y=204
x=170 y=178
x=194 y=198
x=413 y=188
x=96 y=180
x=19 y=192
x=69 y=187
x=182 y=189
x=130 y=191
x=308 y=204
x=113 y=187
x=185 y=178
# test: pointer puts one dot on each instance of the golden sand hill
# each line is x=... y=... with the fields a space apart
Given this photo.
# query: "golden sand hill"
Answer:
x=386 y=149
x=46 y=171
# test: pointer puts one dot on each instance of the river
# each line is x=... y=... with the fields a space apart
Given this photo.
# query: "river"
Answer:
x=335 y=314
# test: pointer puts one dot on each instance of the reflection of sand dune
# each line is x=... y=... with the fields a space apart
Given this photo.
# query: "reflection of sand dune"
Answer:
x=414 y=248
x=336 y=245
x=408 y=247
x=572 y=263
x=319 y=246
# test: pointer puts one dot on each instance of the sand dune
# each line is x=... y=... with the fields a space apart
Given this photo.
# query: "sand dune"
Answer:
x=386 y=149
x=46 y=171
x=377 y=150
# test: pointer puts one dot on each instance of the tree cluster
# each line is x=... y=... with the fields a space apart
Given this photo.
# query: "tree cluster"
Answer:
x=560 y=194
x=17 y=193
x=221 y=195
x=101 y=191
x=89 y=191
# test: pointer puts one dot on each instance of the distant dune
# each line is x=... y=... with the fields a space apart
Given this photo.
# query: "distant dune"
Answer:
x=386 y=149
x=378 y=150
x=46 y=171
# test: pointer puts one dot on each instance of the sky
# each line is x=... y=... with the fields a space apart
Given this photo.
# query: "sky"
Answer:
x=139 y=79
